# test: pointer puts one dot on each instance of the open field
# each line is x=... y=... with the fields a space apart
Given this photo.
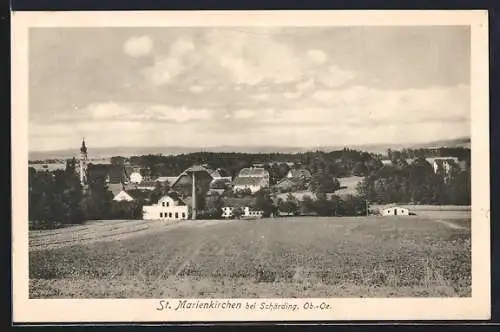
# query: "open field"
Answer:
x=283 y=257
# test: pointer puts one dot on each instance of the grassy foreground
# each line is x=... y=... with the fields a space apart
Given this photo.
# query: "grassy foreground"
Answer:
x=285 y=257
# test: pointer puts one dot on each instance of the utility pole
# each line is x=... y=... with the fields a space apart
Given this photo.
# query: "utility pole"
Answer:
x=367 y=211
x=193 y=214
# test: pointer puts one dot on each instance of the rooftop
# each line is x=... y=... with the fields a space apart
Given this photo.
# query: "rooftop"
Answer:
x=247 y=181
x=253 y=171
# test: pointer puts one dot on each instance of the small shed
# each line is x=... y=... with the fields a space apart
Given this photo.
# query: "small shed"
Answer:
x=395 y=211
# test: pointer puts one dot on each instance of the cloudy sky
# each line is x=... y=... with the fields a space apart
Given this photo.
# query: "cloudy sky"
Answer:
x=206 y=87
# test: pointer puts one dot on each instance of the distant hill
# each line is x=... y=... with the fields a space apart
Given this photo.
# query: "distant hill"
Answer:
x=131 y=151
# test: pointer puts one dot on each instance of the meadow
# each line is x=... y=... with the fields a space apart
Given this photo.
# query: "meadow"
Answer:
x=372 y=256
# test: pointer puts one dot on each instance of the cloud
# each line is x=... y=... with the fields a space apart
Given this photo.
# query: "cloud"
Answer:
x=166 y=68
x=252 y=59
x=197 y=89
x=317 y=56
x=138 y=46
x=306 y=85
x=291 y=95
x=335 y=77
x=261 y=96
x=181 y=46
x=244 y=114
x=181 y=114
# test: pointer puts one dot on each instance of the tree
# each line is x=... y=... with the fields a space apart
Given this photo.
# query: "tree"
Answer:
x=322 y=183
x=290 y=205
x=216 y=210
x=118 y=160
x=307 y=206
x=263 y=202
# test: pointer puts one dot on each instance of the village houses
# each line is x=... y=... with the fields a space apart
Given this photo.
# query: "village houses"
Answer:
x=253 y=178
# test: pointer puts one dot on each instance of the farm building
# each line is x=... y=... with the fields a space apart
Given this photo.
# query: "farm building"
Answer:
x=258 y=172
x=167 y=208
x=395 y=211
x=253 y=183
x=253 y=178
x=228 y=212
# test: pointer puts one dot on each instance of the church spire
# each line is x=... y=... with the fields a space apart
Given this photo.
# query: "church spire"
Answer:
x=83 y=149
x=83 y=163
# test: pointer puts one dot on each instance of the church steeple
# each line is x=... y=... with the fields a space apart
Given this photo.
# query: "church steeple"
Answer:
x=83 y=149
x=83 y=164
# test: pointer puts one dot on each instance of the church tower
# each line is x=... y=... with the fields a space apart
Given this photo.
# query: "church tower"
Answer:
x=83 y=164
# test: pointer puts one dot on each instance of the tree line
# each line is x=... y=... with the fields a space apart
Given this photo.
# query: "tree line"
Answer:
x=56 y=197
x=417 y=183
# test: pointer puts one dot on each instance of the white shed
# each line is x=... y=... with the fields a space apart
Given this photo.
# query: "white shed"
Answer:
x=395 y=211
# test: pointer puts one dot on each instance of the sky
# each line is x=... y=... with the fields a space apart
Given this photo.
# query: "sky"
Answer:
x=247 y=86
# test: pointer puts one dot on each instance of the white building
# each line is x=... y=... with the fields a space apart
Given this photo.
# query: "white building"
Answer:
x=228 y=212
x=167 y=208
x=217 y=176
x=395 y=211
x=136 y=177
x=253 y=178
x=445 y=163
x=253 y=183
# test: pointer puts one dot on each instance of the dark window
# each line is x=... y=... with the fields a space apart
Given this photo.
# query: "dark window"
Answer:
x=161 y=215
x=176 y=215
x=183 y=215
x=170 y=215
x=162 y=203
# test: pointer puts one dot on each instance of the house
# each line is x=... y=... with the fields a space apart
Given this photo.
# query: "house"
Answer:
x=220 y=175
x=167 y=208
x=130 y=195
x=251 y=213
x=247 y=213
x=300 y=173
x=395 y=211
x=254 y=172
x=227 y=212
x=123 y=196
x=253 y=183
x=289 y=184
x=116 y=174
x=146 y=185
x=253 y=178
x=116 y=188
x=444 y=164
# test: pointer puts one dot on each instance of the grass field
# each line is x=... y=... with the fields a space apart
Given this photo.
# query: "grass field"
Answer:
x=283 y=257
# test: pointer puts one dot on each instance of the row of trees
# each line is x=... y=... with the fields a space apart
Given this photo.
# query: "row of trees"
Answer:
x=417 y=183
x=56 y=197
x=341 y=163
